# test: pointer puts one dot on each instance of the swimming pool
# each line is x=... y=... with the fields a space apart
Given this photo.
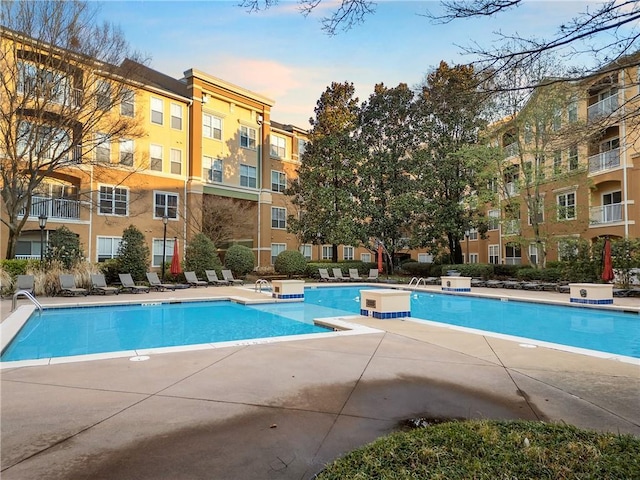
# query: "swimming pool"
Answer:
x=86 y=330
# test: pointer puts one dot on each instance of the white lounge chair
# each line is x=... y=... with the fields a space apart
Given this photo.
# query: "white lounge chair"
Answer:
x=324 y=275
x=337 y=273
x=354 y=275
x=373 y=275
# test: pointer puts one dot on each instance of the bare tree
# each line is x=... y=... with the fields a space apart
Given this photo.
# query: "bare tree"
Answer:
x=224 y=219
x=63 y=81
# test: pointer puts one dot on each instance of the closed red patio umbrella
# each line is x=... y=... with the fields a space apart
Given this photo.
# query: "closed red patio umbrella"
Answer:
x=175 y=260
x=607 y=265
x=380 y=258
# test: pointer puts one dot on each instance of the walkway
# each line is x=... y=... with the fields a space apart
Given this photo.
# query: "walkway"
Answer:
x=283 y=410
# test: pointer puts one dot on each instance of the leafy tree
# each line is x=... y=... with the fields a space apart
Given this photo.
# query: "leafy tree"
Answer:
x=201 y=255
x=64 y=246
x=239 y=259
x=386 y=190
x=625 y=254
x=451 y=110
x=290 y=262
x=53 y=99
x=325 y=187
x=133 y=253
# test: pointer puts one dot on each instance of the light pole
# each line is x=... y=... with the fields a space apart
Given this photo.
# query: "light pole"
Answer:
x=165 y=220
x=466 y=235
x=42 y=221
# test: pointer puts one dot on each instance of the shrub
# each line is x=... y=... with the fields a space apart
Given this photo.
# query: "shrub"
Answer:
x=201 y=255
x=417 y=269
x=508 y=271
x=133 y=254
x=110 y=268
x=239 y=259
x=290 y=262
x=578 y=265
x=64 y=247
x=17 y=267
x=539 y=274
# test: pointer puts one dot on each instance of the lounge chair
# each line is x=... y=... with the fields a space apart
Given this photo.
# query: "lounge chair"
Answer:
x=337 y=273
x=156 y=284
x=228 y=276
x=494 y=284
x=25 y=283
x=563 y=288
x=373 y=275
x=511 y=284
x=194 y=281
x=431 y=280
x=128 y=285
x=68 y=286
x=212 y=278
x=532 y=286
x=99 y=285
x=626 y=292
x=324 y=275
x=477 y=282
x=354 y=275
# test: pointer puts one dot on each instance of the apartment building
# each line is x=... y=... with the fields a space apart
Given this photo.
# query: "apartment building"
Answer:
x=582 y=176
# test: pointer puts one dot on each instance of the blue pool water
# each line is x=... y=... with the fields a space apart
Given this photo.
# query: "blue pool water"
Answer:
x=80 y=331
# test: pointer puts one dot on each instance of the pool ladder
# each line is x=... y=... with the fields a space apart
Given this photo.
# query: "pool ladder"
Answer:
x=417 y=280
x=261 y=282
x=25 y=293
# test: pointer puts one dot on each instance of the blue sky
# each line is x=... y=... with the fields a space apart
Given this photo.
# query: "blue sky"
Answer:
x=285 y=56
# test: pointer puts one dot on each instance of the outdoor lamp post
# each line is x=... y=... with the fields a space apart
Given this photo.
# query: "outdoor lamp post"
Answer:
x=165 y=220
x=42 y=221
x=466 y=235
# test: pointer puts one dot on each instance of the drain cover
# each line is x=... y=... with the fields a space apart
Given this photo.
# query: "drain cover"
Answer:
x=140 y=358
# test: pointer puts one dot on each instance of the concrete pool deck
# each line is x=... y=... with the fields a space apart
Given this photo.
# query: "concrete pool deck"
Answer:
x=283 y=410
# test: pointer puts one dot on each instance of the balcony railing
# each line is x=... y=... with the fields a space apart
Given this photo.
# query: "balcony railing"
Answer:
x=604 y=161
x=603 y=108
x=605 y=214
x=54 y=208
x=511 y=150
x=511 y=188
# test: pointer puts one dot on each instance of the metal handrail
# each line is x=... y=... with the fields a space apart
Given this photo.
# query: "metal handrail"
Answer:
x=260 y=282
x=27 y=294
x=417 y=280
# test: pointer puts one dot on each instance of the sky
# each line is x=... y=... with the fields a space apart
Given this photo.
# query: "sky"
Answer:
x=286 y=57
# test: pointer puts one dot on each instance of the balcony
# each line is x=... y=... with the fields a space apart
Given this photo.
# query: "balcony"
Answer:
x=511 y=227
x=58 y=208
x=604 y=161
x=605 y=214
x=511 y=150
x=603 y=108
x=511 y=188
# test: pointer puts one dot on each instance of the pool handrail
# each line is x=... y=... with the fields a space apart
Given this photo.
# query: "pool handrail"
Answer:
x=29 y=296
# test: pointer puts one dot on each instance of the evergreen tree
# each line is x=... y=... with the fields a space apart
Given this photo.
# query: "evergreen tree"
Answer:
x=133 y=253
x=64 y=246
x=201 y=255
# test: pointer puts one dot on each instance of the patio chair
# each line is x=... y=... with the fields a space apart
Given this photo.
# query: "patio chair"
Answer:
x=513 y=284
x=25 y=283
x=337 y=273
x=156 y=284
x=477 y=282
x=563 y=289
x=324 y=275
x=432 y=280
x=373 y=275
x=212 y=278
x=494 y=284
x=228 y=276
x=128 y=285
x=194 y=281
x=68 y=286
x=99 y=285
x=354 y=275
x=532 y=286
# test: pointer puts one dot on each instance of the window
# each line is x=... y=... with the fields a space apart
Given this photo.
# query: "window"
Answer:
x=103 y=95
x=473 y=234
x=513 y=254
x=365 y=257
x=327 y=252
x=43 y=141
x=494 y=254
x=157 y=111
x=557 y=162
x=473 y=258
x=247 y=176
x=248 y=137
x=538 y=204
x=278 y=181
x=165 y=204
x=556 y=122
x=103 y=148
x=126 y=152
x=572 y=157
x=278 y=147
x=108 y=248
x=302 y=146
x=278 y=217
x=126 y=105
x=534 y=253
x=572 y=111
x=159 y=248
x=41 y=83
x=528 y=133
x=276 y=249
x=155 y=157
x=212 y=169
x=566 y=206
x=305 y=250
x=425 y=258
x=347 y=253
x=176 y=116
x=612 y=207
x=494 y=219
x=176 y=161
x=113 y=200
x=211 y=126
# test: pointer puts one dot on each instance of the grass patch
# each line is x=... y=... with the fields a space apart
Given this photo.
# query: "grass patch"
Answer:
x=490 y=450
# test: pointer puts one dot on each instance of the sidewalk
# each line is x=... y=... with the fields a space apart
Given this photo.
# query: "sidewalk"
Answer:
x=283 y=410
